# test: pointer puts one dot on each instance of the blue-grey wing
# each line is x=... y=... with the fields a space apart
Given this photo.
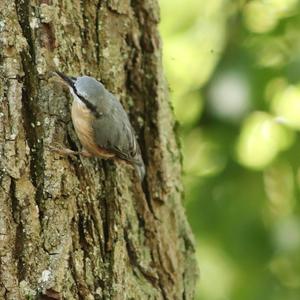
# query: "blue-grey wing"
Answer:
x=113 y=132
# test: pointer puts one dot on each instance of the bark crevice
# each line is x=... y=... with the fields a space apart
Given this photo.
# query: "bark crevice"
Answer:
x=30 y=109
x=97 y=20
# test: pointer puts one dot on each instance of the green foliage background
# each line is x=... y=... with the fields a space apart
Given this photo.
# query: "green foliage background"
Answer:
x=234 y=73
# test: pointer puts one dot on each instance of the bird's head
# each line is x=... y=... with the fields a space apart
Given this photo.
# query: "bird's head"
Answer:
x=85 y=89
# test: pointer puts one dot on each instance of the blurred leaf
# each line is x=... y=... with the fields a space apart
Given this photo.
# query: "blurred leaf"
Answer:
x=233 y=69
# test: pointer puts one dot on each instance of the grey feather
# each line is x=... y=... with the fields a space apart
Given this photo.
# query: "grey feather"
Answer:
x=112 y=128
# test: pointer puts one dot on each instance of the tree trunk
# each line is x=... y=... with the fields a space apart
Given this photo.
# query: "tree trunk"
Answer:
x=85 y=228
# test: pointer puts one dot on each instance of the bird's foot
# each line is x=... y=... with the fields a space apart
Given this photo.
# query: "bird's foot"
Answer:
x=58 y=148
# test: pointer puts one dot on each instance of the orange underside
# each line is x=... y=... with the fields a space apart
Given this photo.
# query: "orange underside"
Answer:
x=82 y=120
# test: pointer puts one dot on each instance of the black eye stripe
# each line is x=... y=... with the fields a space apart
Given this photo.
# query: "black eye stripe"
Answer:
x=88 y=104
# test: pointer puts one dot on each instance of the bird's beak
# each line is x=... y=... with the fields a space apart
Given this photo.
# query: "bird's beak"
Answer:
x=68 y=80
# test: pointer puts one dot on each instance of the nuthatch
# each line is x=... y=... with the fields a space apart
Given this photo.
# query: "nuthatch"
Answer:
x=101 y=123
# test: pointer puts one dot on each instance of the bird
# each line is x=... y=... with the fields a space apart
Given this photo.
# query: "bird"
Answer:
x=101 y=123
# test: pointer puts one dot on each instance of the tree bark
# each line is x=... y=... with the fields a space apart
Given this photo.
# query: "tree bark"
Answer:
x=75 y=227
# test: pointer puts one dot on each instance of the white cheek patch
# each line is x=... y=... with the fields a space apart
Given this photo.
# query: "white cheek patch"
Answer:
x=76 y=98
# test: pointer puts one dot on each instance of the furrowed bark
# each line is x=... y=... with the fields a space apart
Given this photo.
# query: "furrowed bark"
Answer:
x=75 y=227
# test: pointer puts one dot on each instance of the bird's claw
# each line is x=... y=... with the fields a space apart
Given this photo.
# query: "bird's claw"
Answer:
x=58 y=148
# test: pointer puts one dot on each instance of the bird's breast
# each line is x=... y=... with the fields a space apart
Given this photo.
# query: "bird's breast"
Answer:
x=82 y=119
